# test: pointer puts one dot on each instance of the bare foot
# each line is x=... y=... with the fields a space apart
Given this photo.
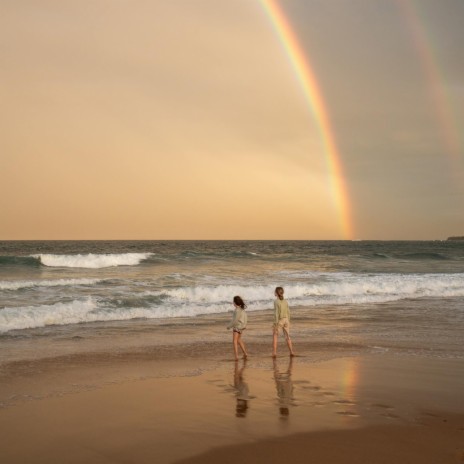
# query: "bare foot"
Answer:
x=292 y=355
x=274 y=355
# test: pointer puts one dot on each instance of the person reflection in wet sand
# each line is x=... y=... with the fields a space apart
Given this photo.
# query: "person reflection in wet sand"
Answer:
x=284 y=387
x=241 y=390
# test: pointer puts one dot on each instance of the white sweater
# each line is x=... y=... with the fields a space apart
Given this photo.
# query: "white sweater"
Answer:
x=239 y=320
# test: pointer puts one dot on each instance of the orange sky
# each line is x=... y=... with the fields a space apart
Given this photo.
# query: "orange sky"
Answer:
x=184 y=120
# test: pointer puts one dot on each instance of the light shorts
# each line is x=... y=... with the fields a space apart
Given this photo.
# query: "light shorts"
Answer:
x=283 y=324
x=239 y=331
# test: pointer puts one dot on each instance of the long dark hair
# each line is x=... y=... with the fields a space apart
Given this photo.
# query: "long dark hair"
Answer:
x=239 y=302
x=280 y=292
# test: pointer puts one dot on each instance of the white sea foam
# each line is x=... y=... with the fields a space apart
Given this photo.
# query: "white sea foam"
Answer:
x=85 y=310
x=92 y=261
x=18 y=284
x=336 y=289
x=26 y=317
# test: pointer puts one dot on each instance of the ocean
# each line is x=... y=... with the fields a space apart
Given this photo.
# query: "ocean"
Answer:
x=404 y=295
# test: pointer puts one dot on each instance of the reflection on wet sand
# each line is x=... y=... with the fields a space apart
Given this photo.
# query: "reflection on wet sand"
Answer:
x=284 y=387
x=241 y=390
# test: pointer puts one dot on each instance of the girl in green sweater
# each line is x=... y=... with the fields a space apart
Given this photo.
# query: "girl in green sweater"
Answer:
x=281 y=321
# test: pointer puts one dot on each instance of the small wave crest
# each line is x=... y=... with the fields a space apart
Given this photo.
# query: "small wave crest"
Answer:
x=19 y=261
x=19 y=284
x=222 y=254
x=424 y=255
x=92 y=261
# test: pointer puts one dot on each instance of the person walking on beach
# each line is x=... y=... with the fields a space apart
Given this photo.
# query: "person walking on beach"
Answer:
x=238 y=325
x=281 y=321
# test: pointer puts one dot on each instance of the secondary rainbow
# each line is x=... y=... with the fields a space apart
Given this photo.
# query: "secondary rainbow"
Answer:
x=307 y=78
x=442 y=104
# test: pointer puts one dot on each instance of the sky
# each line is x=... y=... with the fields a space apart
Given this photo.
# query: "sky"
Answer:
x=186 y=119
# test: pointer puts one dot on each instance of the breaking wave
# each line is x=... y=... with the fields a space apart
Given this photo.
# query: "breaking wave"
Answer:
x=92 y=261
x=335 y=288
x=190 y=301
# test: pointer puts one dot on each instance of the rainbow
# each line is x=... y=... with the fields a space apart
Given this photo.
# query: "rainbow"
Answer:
x=307 y=79
x=443 y=109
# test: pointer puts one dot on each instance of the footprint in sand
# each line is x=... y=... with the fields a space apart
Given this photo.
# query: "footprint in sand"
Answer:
x=347 y=413
x=344 y=402
x=215 y=381
x=382 y=406
x=389 y=415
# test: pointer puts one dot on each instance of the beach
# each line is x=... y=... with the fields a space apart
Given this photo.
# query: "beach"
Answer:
x=118 y=352
x=136 y=410
x=191 y=402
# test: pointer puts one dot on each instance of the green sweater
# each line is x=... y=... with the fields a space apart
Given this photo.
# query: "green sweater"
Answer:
x=281 y=310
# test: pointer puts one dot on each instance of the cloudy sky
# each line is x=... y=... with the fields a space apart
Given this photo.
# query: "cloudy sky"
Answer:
x=184 y=119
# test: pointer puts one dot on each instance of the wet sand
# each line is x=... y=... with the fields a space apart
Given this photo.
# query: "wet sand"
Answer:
x=192 y=403
x=437 y=439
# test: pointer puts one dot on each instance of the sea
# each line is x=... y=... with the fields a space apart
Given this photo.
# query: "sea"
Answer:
x=411 y=292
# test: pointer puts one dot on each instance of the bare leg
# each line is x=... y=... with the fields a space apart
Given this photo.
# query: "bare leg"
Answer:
x=242 y=345
x=235 y=341
x=274 y=344
x=289 y=343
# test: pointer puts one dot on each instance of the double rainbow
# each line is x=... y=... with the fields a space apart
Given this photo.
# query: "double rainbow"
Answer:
x=306 y=76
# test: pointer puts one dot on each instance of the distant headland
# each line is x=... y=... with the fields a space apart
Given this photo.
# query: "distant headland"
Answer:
x=456 y=238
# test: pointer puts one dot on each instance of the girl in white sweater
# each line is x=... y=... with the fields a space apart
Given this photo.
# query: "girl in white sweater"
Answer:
x=238 y=325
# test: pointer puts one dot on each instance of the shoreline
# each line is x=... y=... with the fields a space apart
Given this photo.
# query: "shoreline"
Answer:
x=365 y=328
x=96 y=354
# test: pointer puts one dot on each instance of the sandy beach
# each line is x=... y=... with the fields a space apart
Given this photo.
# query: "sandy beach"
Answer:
x=168 y=403
x=128 y=360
